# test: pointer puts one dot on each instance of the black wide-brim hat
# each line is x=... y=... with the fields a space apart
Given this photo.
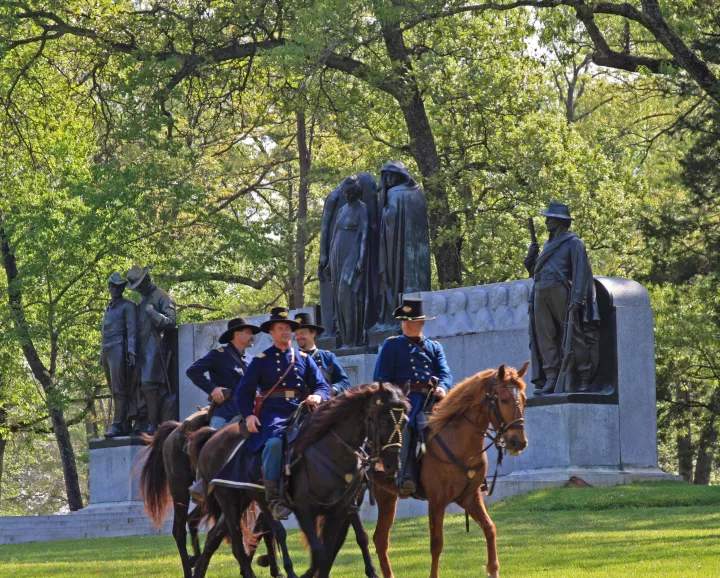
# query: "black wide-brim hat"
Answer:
x=279 y=314
x=557 y=210
x=412 y=310
x=237 y=324
x=136 y=275
x=307 y=321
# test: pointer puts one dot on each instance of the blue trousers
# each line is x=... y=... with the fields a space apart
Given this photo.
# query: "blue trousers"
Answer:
x=272 y=459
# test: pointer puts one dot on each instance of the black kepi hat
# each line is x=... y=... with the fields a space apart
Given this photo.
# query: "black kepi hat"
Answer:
x=237 y=324
x=136 y=275
x=307 y=321
x=279 y=314
x=557 y=210
x=117 y=279
x=411 y=310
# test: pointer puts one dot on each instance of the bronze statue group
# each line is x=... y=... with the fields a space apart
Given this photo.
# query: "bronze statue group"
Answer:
x=293 y=436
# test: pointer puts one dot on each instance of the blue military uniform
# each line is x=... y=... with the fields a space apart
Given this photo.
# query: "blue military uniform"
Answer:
x=415 y=363
x=226 y=366
x=331 y=369
x=403 y=361
x=262 y=374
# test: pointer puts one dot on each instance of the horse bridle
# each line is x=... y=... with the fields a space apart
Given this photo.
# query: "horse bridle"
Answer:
x=491 y=400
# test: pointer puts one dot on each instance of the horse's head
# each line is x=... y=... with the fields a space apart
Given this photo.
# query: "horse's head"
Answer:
x=386 y=420
x=507 y=402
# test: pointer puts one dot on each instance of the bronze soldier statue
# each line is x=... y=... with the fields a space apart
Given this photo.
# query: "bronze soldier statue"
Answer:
x=563 y=310
x=156 y=312
x=118 y=352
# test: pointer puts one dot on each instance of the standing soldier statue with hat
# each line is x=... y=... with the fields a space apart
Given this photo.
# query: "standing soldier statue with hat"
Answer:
x=275 y=384
x=418 y=364
x=226 y=366
x=118 y=352
x=327 y=361
x=563 y=310
x=156 y=312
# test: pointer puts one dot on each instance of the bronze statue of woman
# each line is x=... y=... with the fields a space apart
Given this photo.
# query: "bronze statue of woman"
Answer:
x=347 y=267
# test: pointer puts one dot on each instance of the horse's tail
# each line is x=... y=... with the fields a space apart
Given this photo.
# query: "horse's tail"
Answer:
x=154 y=488
x=251 y=538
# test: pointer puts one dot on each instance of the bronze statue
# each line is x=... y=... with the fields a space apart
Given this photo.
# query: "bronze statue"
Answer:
x=563 y=311
x=156 y=312
x=333 y=204
x=404 y=247
x=118 y=352
x=347 y=266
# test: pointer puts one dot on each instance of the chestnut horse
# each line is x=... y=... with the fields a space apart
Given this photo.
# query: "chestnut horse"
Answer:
x=454 y=466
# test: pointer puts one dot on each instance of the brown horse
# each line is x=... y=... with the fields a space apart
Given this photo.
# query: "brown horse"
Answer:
x=165 y=477
x=455 y=465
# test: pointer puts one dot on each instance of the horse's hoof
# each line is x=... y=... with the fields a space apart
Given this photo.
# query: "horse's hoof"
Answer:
x=263 y=561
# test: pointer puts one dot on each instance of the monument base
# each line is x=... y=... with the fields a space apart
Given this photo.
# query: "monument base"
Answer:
x=114 y=471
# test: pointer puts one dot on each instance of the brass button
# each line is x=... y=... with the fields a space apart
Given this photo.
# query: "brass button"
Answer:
x=284 y=383
x=416 y=375
x=278 y=369
x=278 y=361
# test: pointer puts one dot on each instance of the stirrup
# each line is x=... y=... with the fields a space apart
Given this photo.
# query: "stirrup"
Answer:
x=279 y=510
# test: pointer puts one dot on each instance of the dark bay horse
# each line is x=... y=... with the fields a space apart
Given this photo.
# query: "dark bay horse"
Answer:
x=165 y=477
x=333 y=446
x=455 y=465
x=166 y=474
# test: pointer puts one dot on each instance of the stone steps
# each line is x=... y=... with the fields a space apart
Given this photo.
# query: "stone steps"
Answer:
x=106 y=522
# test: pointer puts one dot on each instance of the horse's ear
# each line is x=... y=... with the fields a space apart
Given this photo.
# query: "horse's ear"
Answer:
x=523 y=369
x=501 y=373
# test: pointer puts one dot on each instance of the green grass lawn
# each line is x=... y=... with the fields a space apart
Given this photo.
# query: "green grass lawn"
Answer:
x=661 y=530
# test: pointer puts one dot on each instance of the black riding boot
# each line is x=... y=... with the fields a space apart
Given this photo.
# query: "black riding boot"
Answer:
x=119 y=425
x=407 y=476
x=278 y=509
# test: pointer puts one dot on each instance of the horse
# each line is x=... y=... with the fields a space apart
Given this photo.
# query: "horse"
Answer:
x=243 y=536
x=165 y=477
x=166 y=474
x=334 y=448
x=454 y=467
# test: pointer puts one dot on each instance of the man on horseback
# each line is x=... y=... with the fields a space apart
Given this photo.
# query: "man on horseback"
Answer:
x=226 y=366
x=275 y=384
x=326 y=361
x=413 y=361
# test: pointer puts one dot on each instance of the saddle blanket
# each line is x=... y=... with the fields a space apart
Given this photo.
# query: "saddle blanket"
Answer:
x=242 y=470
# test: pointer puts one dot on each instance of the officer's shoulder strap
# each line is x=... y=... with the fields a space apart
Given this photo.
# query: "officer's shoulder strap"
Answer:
x=303 y=354
x=259 y=356
x=392 y=337
x=220 y=349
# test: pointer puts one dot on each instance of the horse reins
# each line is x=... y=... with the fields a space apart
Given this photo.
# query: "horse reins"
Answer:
x=518 y=422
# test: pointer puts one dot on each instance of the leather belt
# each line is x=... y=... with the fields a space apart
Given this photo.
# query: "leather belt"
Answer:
x=422 y=388
x=286 y=394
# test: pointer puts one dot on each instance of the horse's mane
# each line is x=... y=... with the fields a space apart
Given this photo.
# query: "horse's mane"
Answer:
x=330 y=413
x=469 y=392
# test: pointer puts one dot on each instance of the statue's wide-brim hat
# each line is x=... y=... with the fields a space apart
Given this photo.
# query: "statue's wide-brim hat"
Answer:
x=412 y=310
x=279 y=314
x=117 y=279
x=237 y=324
x=557 y=210
x=136 y=275
x=307 y=321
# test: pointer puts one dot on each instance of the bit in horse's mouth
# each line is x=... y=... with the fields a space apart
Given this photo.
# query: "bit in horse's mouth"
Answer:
x=514 y=452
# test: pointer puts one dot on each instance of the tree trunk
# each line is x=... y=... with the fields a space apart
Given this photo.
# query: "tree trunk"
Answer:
x=444 y=223
x=685 y=452
x=3 y=444
x=41 y=373
x=706 y=455
x=302 y=233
